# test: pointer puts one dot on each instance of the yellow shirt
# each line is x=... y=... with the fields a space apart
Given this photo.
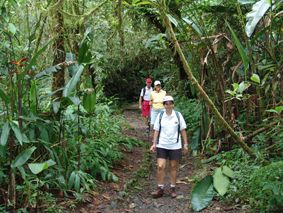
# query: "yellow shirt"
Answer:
x=157 y=99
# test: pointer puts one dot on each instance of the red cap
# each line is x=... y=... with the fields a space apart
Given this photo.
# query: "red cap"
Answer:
x=148 y=80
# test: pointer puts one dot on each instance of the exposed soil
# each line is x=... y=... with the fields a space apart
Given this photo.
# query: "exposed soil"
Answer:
x=112 y=197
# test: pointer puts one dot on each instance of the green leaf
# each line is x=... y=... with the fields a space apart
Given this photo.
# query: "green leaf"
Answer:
x=12 y=28
x=277 y=110
x=243 y=2
x=33 y=96
x=75 y=100
x=255 y=78
x=50 y=162
x=72 y=180
x=5 y=134
x=243 y=86
x=227 y=171
x=196 y=138
x=172 y=20
x=235 y=86
x=56 y=106
x=36 y=168
x=22 y=171
x=35 y=57
x=77 y=183
x=84 y=54
x=202 y=193
x=240 y=48
x=89 y=102
x=73 y=82
x=70 y=57
x=220 y=182
x=143 y=3
x=258 y=11
x=4 y=97
x=17 y=131
x=48 y=71
x=23 y=157
x=232 y=93
x=193 y=25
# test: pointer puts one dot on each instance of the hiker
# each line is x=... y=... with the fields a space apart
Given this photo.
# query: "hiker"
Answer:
x=168 y=128
x=156 y=98
x=144 y=100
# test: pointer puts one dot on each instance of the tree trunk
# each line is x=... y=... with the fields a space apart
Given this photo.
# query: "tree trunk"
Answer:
x=120 y=24
x=59 y=54
x=12 y=197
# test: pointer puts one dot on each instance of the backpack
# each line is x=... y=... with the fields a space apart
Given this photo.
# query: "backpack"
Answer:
x=179 y=127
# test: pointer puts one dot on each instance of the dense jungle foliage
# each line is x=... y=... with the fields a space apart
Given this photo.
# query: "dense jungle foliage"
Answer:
x=66 y=67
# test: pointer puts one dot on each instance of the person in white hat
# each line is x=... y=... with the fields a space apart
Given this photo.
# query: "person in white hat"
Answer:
x=169 y=129
x=156 y=100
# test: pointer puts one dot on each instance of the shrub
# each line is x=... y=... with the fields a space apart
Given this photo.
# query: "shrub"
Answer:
x=266 y=187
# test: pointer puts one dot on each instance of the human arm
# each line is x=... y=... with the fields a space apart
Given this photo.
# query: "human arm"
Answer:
x=151 y=100
x=154 y=141
x=140 y=102
x=185 y=140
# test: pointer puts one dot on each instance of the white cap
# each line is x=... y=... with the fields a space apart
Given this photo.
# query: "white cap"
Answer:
x=168 y=98
x=157 y=83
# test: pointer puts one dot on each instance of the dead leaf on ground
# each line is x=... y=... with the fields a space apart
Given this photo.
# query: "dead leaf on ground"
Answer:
x=181 y=182
x=106 y=197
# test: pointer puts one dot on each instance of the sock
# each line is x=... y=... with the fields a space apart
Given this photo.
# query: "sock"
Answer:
x=161 y=186
x=172 y=186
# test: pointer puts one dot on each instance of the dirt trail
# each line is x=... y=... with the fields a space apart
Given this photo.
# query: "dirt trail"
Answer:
x=111 y=196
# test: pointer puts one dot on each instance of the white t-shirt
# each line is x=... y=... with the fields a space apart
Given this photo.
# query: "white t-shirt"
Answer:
x=147 y=93
x=169 y=130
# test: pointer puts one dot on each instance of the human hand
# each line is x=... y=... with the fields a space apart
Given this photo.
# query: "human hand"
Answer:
x=140 y=107
x=153 y=148
x=185 y=150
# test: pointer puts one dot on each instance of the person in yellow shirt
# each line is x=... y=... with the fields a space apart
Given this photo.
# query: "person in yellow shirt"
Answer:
x=156 y=101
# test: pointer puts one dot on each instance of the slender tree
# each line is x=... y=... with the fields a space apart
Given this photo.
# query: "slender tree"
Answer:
x=59 y=52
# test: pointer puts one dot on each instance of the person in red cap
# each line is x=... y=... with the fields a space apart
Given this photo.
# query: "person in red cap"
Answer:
x=145 y=99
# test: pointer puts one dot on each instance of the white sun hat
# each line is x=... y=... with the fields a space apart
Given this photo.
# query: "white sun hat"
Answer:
x=168 y=98
x=157 y=83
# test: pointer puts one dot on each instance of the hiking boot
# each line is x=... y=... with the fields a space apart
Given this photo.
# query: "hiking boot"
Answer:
x=173 y=192
x=158 y=193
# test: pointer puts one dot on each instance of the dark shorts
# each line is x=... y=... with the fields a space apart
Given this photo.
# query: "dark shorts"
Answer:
x=169 y=154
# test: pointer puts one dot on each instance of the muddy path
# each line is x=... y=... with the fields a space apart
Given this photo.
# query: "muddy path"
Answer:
x=124 y=196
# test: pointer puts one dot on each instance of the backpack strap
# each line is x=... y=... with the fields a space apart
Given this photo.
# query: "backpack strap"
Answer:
x=160 y=117
x=143 y=93
x=179 y=126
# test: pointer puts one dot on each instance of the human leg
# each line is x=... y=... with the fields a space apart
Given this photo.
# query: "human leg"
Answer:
x=161 y=163
x=160 y=178
x=153 y=115
x=173 y=165
x=174 y=157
